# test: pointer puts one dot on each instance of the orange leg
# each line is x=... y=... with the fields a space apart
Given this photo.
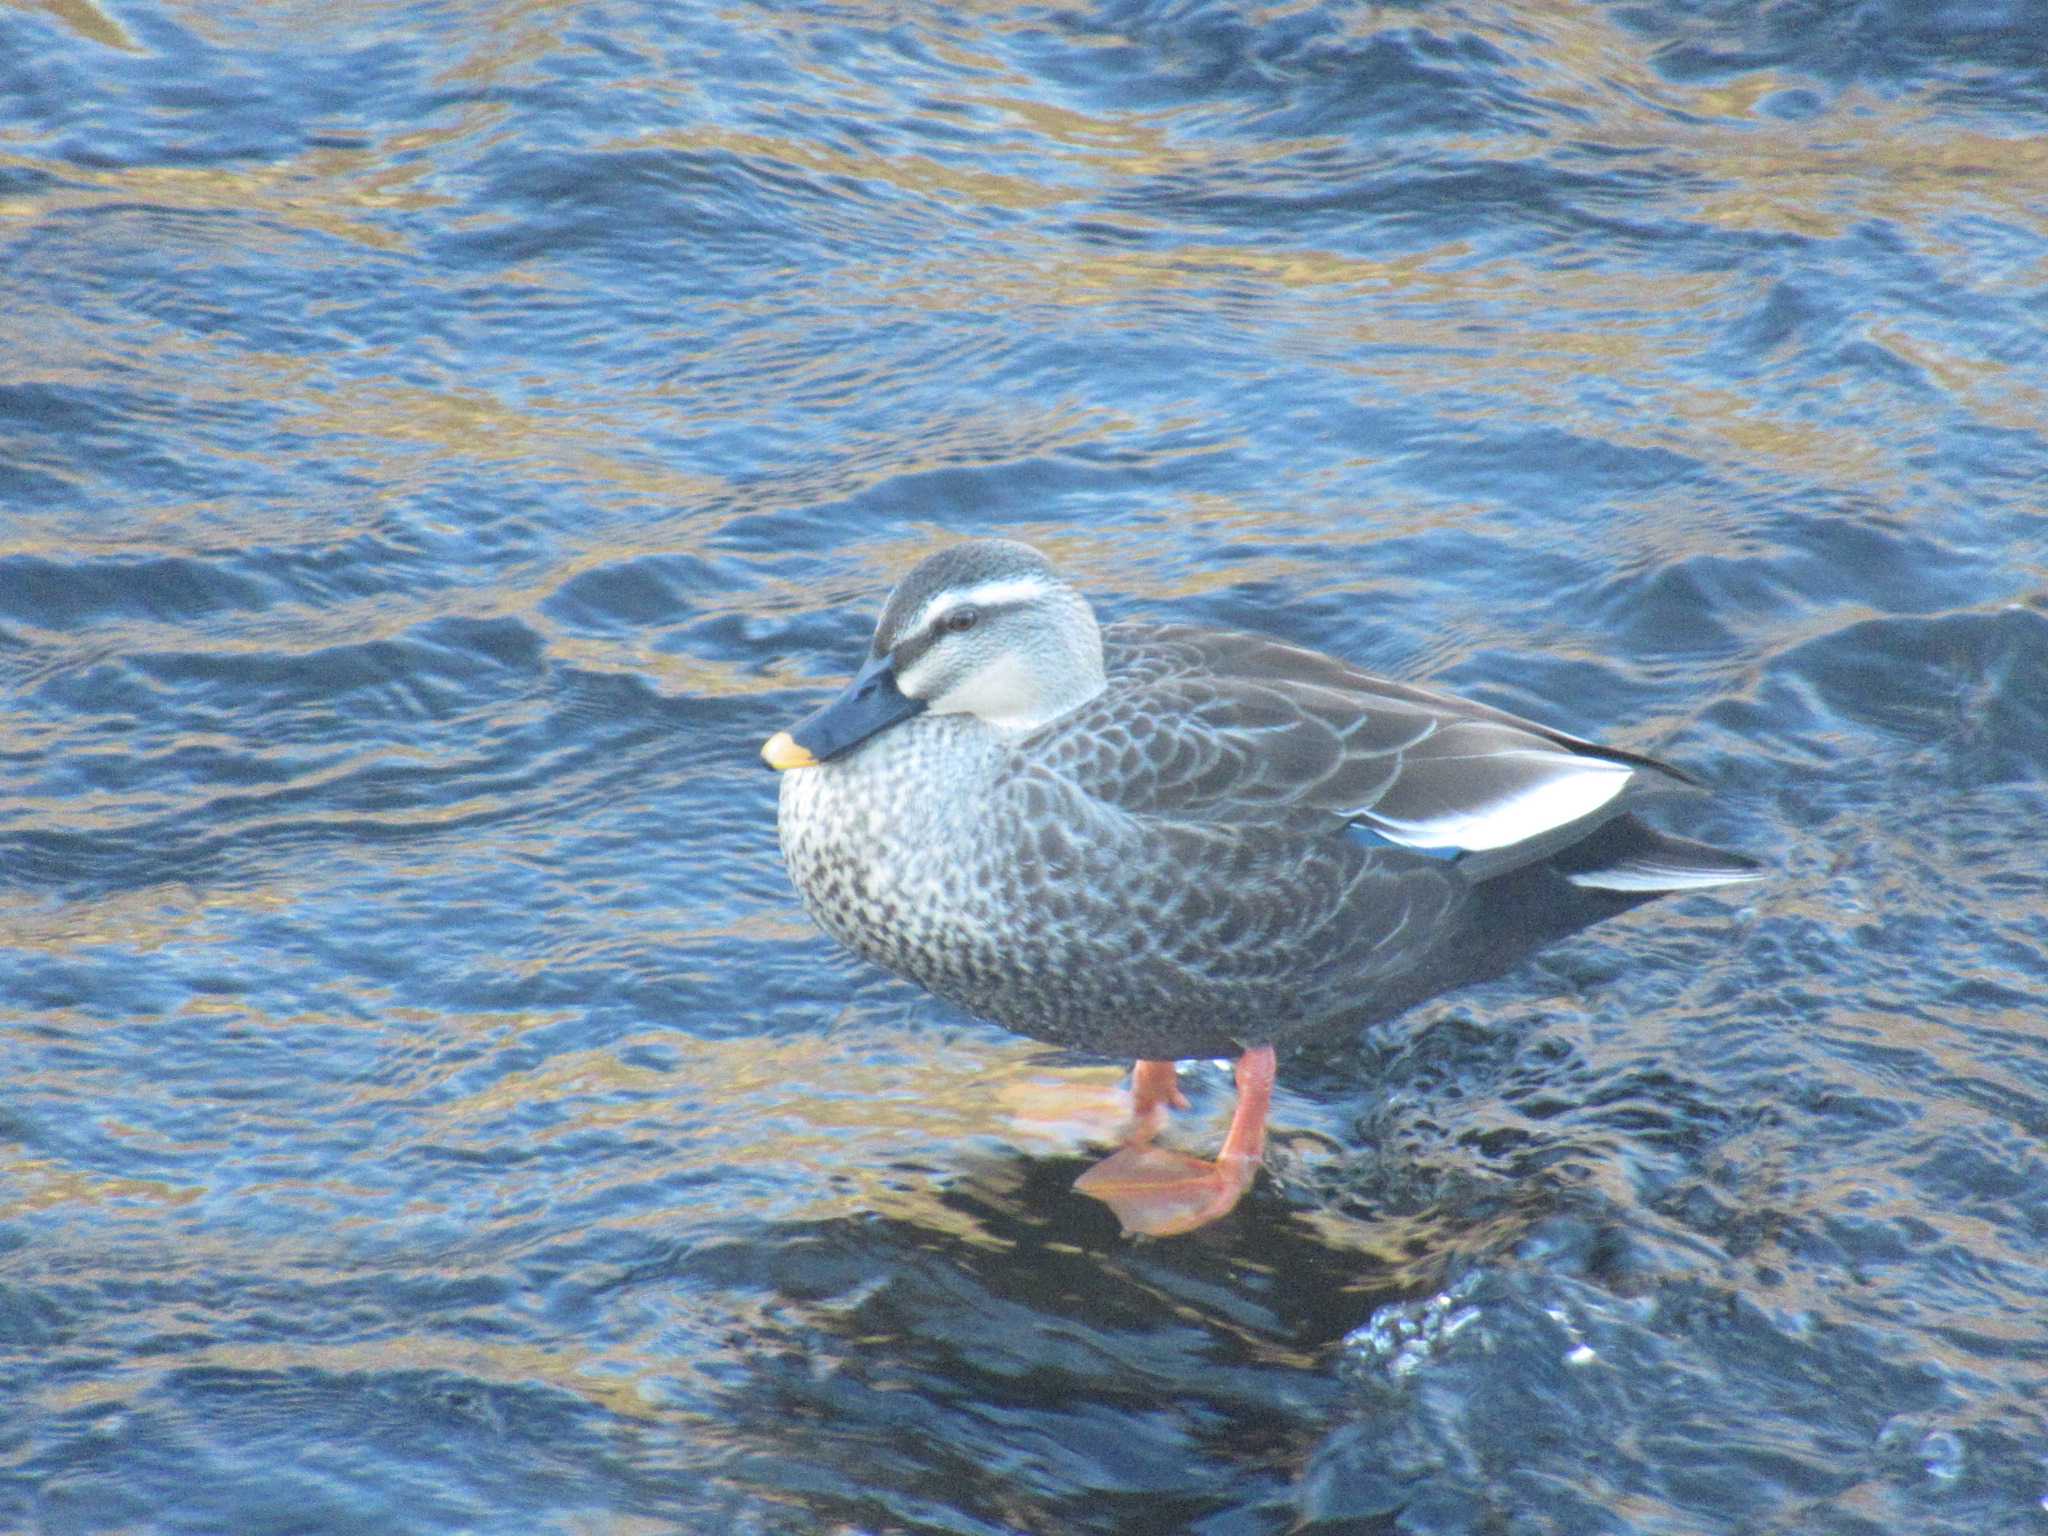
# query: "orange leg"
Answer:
x=1162 y=1193
x=1155 y=1088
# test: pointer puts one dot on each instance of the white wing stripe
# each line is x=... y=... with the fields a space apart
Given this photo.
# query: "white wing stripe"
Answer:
x=1578 y=787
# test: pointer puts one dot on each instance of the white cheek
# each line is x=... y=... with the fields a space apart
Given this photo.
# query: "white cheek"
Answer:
x=1006 y=693
x=914 y=681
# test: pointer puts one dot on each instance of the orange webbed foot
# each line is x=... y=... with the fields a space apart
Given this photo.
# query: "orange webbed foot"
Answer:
x=1162 y=1193
x=1158 y=1192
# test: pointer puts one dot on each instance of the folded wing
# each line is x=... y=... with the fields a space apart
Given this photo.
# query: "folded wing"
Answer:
x=1226 y=727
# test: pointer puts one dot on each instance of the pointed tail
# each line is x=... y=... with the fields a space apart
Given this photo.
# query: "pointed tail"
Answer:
x=1628 y=855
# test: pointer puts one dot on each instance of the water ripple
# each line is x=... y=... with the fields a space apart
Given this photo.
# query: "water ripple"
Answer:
x=439 y=445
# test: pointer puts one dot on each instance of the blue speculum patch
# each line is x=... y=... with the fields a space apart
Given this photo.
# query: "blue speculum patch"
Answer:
x=1373 y=839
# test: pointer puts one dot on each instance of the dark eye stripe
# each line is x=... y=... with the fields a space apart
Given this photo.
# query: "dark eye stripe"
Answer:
x=982 y=612
x=907 y=651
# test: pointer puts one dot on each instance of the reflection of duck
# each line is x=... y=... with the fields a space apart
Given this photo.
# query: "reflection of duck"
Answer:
x=1163 y=842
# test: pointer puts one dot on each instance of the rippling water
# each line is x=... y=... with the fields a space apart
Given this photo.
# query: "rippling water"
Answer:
x=439 y=441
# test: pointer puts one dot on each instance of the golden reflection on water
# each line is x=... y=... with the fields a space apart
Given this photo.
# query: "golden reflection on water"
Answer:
x=334 y=192
x=137 y=921
x=31 y=1184
x=1712 y=154
x=623 y=1379
x=88 y=20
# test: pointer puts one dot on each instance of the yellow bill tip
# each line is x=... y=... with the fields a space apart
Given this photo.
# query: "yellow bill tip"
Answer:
x=781 y=753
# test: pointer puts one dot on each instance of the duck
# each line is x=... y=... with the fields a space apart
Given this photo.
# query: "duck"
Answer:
x=1162 y=842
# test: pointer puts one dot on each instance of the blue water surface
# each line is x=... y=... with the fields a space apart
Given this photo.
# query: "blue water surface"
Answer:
x=439 y=441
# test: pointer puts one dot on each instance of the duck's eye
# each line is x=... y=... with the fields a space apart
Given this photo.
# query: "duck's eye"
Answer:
x=960 y=620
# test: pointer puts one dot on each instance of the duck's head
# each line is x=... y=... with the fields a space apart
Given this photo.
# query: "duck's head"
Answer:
x=985 y=628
